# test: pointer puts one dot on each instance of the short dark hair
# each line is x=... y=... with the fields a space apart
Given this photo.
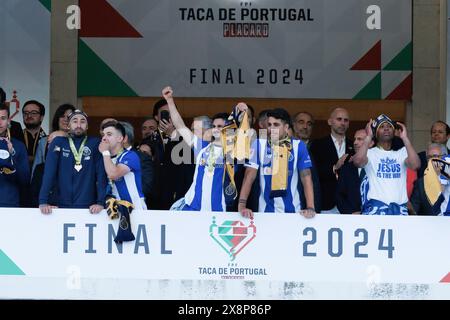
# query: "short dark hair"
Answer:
x=447 y=128
x=158 y=105
x=117 y=125
x=220 y=115
x=3 y=106
x=59 y=113
x=40 y=105
x=280 y=114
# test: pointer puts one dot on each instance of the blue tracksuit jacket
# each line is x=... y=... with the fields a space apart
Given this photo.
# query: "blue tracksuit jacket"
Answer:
x=10 y=183
x=75 y=189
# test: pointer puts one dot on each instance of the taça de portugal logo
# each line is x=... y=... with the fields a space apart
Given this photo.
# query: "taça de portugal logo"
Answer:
x=232 y=235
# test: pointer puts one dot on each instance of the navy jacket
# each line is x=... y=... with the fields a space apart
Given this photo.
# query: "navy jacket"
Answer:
x=75 y=189
x=10 y=183
x=348 y=195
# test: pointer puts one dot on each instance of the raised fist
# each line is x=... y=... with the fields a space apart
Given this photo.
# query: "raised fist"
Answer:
x=167 y=93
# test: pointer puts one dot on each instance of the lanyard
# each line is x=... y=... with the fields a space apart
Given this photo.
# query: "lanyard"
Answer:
x=77 y=154
x=36 y=139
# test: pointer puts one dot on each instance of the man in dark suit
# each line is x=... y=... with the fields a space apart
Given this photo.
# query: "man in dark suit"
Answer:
x=440 y=133
x=348 y=195
x=167 y=188
x=329 y=154
x=419 y=201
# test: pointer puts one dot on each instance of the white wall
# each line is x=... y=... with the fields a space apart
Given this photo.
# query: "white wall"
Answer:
x=25 y=52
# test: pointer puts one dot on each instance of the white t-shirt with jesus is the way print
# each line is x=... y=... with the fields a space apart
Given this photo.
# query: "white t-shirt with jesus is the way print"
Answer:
x=386 y=172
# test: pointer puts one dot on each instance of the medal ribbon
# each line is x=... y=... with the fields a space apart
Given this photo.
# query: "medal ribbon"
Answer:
x=236 y=145
x=280 y=158
x=77 y=154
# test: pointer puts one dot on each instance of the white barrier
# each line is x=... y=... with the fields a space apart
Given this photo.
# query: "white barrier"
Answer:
x=217 y=255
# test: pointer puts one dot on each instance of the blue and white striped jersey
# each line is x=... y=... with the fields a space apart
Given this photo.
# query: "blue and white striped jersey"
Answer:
x=206 y=191
x=261 y=158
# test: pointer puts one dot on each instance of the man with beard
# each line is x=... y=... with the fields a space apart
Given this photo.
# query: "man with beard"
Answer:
x=303 y=126
x=14 y=170
x=75 y=165
x=386 y=168
x=33 y=114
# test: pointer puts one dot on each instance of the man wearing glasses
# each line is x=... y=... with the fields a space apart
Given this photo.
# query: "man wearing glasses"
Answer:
x=33 y=114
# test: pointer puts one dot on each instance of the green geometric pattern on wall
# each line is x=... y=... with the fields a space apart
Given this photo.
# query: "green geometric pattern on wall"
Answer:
x=96 y=78
x=47 y=4
x=8 y=267
x=402 y=61
x=371 y=91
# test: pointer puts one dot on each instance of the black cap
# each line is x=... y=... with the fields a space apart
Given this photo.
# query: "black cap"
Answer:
x=382 y=118
x=75 y=112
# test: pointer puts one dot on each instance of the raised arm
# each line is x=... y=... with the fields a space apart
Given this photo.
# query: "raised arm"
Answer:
x=177 y=120
x=413 y=161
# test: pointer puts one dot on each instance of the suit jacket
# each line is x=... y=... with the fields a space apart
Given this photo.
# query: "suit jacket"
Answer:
x=348 y=195
x=419 y=200
x=171 y=180
x=325 y=157
x=16 y=131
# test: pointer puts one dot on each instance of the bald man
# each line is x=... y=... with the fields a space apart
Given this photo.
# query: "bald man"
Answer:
x=329 y=154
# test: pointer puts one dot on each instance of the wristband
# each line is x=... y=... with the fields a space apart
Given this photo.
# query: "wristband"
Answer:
x=106 y=153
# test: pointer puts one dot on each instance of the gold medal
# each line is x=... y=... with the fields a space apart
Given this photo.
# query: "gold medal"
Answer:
x=77 y=154
x=230 y=189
